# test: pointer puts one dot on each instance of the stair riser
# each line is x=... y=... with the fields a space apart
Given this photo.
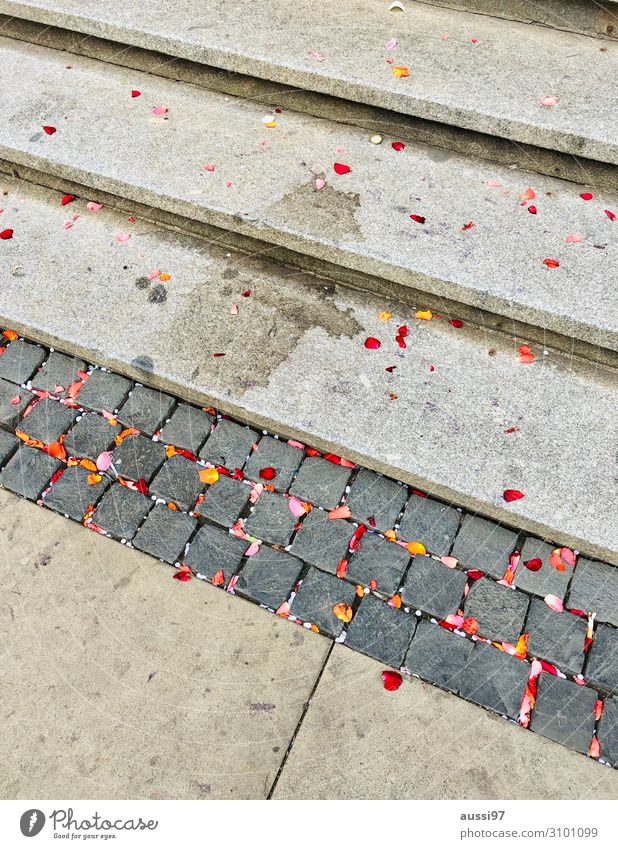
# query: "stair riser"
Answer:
x=465 y=142
x=415 y=298
x=588 y=17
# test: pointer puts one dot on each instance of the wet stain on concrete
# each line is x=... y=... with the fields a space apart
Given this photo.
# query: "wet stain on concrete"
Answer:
x=327 y=210
x=144 y=363
x=158 y=294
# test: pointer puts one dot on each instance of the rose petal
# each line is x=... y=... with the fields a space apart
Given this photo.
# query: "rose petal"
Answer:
x=573 y=239
x=268 y=473
x=398 y=145
x=159 y=110
x=611 y=215
x=391 y=44
x=549 y=100
x=91 y=206
x=6 y=234
x=49 y=130
x=372 y=343
x=122 y=237
x=391 y=680
x=554 y=602
x=319 y=184
x=586 y=196
x=104 y=461
x=208 y=475
x=420 y=219
x=343 y=611
x=512 y=495
x=534 y=564
x=340 y=168
x=551 y=263
x=342 y=512
x=67 y=199
x=297 y=508
x=135 y=92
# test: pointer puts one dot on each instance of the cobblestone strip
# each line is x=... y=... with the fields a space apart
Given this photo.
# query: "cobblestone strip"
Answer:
x=518 y=625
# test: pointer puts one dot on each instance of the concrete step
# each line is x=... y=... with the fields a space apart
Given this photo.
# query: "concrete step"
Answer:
x=467 y=70
x=587 y=17
x=479 y=246
x=459 y=417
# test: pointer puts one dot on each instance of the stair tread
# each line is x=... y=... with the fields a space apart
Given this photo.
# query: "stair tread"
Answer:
x=295 y=362
x=110 y=141
x=492 y=86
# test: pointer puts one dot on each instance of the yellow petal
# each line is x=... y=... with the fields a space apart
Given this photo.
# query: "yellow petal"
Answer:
x=416 y=548
x=425 y=315
x=209 y=475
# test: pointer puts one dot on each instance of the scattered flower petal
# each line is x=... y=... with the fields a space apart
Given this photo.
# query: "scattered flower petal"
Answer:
x=343 y=611
x=297 y=507
x=391 y=44
x=401 y=71
x=534 y=564
x=6 y=234
x=340 y=168
x=121 y=238
x=611 y=215
x=208 y=475
x=49 y=130
x=376 y=139
x=135 y=92
x=512 y=495
x=424 y=315
x=420 y=219
x=391 y=680
x=159 y=110
x=586 y=196
x=549 y=100
x=268 y=473
x=398 y=145
x=551 y=263
x=372 y=343
x=342 y=512
x=183 y=573
x=91 y=206
x=554 y=602
x=573 y=239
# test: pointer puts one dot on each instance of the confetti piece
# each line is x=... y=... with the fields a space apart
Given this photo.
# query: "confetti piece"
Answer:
x=424 y=315
x=420 y=219
x=391 y=680
x=49 y=130
x=512 y=495
x=554 y=602
x=372 y=343
x=401 y=71
x=551 y=263
x=343 y=611
x=340 y=168
x=208 y=475
x=6 y=234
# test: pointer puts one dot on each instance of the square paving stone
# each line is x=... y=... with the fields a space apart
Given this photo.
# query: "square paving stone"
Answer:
x=8 y=443
x=481 y=544
x=213 y=549
x=564 y=712
x=165 y=533
x=494 y=679
x=47 y=420
x=430 y=522
x=378 y=559
x=90 y=436
x=72 y=495
x=187 y=428
x=278 y=455
x=608 y=731
x=178 y=481
x=146 y=409
x=271 y=519
x=321 y=482
x=317 y=596
x=322 y=541
x=228 y=445
x=138 y=457
x=381 y=631
x=268 y=577
x=121 y=511
x=556 y=637
x=28 y=472
x=20 y=360
x=602 y=666
x=438 y=655
x=376 y=501
x=11 y=413
x=103 y=391
x=499 y=611
x=60 y=370
x=224 y=501
x=547 y=579
x=433 y=588
x=594 y=589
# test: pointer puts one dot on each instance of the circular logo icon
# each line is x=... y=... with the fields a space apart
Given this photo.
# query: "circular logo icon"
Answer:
x=32 y=822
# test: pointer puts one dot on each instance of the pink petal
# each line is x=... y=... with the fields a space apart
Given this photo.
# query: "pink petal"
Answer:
x=152 y=275
x=104 y=461
x=91 y=206
x=549 y=100
x=210 y=166
x=159 y=110
x=319 y=184
x=567 y=556
x=342 y=512
x=554 y=602
x=122 y=237
x=391 y=44
x=296 y=507
x=455 y=619
x=451 y=562
x=573 y=239
x=253 y=549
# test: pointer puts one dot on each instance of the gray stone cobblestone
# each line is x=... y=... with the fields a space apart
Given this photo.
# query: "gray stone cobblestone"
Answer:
x=608 y=731
x=59 y=371
x=103 y=391
x=320 y=482
x=165 y=533
x=178 y=481
x=602 y=664
x=432 y=587
x=20 y=360
x=430 y=522
x=212 y=550
x=376 y=501
x=316 y=598
x=10 y=412
x=380 y=560
x=556 y=637
x=47 y=421
x=269 y=576
x=381 y=631
x=146 y=409
x=495 y=679
x=8 y=444
x=322 y=541
x=121 y=511
x=187 y=428
x=274 y=454
x=481 y=544
x=28 y=472
x=564 y=712
x=224 y=501
x=594 y=589
x=271 y=520
x=547 y=579
x=90 y=436
x=138 y=457
x=438 y=656
x=499 y=611
x=228 y=445
x=72 y=494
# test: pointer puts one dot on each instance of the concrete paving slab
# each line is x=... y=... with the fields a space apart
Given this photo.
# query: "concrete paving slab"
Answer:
x=496 y=264
x=444 y=748
x=117 y=681
x=471 y=78
x=449 y=432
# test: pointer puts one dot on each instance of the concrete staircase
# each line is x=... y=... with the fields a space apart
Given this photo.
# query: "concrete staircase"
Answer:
x=219 y=131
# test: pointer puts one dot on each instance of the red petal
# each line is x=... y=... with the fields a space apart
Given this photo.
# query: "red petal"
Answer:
x=468 y=226
x=182 y=574
x=455 y=322
x=142 y=486
x=340 y=168
x=49 y=130
x=268 y=473
x=418 y=218
x=67 y=199
x=586 y=196
x=372 y=343
x=391 y=680
x=400 y=341
x=475 y=574
x=390 y=369
x=534 y=565
x=551 y=263
x=398 y=145
x=610 y=215
x=512 y=495
x=342 y=568
x=218 y=578
x=532 y=210
x=403 y=330
x=6 y=234
x=135 y=92
x=246 y=293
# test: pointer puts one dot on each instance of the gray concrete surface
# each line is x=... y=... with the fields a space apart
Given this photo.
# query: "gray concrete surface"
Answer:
x=359 y=741
x=361 y=220
x=295 y=363
x=478 y=85
x=118 y=682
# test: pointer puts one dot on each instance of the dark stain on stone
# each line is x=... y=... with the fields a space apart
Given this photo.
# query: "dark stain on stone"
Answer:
x=143 y=363
x=261 y=707
x=230 y=274
x=327 y=210
x=158 y=295
x=142 y=283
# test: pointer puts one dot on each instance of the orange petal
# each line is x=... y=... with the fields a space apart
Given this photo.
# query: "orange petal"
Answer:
x=209 y=475
x=416 y=548
x=343 y=611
